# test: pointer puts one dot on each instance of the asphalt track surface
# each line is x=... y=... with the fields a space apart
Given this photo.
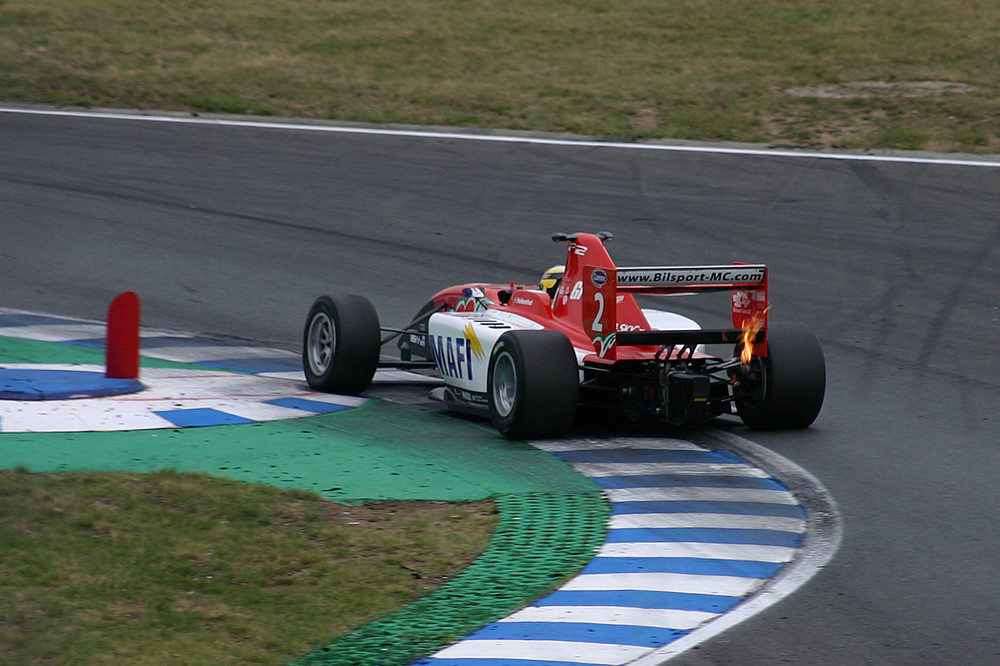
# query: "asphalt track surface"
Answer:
x=233 y=231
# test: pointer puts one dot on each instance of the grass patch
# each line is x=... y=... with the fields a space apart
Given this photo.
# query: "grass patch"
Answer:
x=690 y=69
x=188 y=569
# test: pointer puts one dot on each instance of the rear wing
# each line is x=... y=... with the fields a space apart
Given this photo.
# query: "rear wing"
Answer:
x=686 y=279
x=594 y=289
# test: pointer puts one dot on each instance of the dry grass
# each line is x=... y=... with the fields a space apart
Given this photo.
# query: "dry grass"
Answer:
x=690 y=69
x=187 y=569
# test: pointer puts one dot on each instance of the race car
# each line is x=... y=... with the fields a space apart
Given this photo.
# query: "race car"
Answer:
x=532 y=358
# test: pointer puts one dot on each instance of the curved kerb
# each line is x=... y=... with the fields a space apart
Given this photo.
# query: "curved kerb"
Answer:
x=540 y=540
x=823 y=534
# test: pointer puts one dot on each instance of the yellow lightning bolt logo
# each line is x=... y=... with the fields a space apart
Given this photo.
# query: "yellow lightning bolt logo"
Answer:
x=474 y=343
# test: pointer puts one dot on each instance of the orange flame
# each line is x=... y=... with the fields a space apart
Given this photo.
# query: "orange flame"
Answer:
x=751 y=327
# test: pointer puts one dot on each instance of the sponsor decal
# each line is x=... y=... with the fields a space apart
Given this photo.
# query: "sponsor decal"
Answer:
x=598 y=277
x=474 y=344
x=629 y=327
x=604 y=343
x=693 y=275
x=577 y=292
x=469 y=396
x=519 y=300
x=748 y=302
x=453 y=356
x=473 y=300
x=578 y=250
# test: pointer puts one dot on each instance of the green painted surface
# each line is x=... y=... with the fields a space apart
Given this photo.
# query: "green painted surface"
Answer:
x=20 y=350
x=541 y=539
x=551 y=519
x=378 y=451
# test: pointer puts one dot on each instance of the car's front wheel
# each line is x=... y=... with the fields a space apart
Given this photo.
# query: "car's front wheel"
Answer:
x=341 y=344
x=533 y=384
x=785 y=389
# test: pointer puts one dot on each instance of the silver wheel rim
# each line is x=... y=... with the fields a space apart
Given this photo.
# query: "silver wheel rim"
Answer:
x=504 y=384
x=322 y=342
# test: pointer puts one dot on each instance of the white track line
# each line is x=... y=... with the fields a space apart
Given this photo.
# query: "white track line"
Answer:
x=473 y=135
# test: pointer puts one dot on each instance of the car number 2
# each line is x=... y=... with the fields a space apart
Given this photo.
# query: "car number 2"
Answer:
x=598 y=325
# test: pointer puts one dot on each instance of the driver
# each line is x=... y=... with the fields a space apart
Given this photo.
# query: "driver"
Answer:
x=551 y=279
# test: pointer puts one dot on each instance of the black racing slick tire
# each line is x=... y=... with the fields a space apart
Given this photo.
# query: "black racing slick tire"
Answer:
x=785 y=389
x=341 y=343
x=533 y=384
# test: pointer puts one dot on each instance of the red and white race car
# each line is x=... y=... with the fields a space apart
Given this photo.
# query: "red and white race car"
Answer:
x=530 y=358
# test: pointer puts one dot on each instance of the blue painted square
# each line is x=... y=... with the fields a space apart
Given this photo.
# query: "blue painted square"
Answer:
x=201 y=417
x=314 y=406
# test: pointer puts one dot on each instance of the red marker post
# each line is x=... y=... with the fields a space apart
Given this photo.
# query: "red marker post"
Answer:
x=122 y=344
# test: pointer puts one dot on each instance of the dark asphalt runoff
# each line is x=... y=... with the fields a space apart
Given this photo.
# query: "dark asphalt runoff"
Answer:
x=233 y=231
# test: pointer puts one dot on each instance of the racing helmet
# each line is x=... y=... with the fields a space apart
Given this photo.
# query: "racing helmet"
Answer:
x=551 y=279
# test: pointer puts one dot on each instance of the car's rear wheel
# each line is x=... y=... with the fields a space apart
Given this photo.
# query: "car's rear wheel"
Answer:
x=340 y=344
x=533 y=384
x=785 y=389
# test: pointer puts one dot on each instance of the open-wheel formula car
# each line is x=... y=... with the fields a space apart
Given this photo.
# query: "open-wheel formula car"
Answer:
x=530 y=358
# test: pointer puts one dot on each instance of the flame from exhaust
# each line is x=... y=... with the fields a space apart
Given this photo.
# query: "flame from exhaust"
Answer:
x=751 y=327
